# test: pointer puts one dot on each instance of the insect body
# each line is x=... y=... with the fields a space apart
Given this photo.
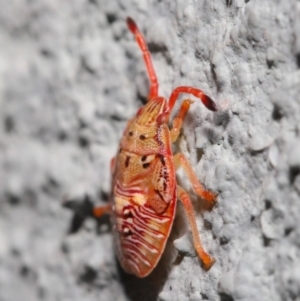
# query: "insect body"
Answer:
x=144 y=189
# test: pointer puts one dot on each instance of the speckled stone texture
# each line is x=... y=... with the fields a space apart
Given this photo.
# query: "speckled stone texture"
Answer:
x=71 y=76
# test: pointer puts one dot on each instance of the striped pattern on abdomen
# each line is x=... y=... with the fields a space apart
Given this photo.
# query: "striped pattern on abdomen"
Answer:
x=140 y=234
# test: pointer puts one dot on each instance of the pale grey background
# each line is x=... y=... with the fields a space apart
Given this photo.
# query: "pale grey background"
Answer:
x=70 y=77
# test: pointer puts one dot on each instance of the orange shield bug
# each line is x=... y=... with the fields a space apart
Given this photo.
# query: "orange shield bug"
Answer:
x=144 y=191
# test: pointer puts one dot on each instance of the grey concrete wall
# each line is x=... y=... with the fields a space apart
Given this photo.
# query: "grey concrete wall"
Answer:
x=70 y=77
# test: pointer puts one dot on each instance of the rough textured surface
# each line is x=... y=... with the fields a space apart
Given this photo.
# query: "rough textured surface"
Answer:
x=70 y=77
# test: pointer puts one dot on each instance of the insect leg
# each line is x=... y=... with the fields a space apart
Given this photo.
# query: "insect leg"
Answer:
x=181 y=160
x=178 y=120
x=101 y=210
x=206 y=100
x=147 y=58
x=185 y=199
x=112 y=164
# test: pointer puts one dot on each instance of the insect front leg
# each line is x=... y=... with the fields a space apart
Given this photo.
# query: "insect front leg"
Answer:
x=185 y=199
x=178 y=120
x=181 y=160
x=112 y=164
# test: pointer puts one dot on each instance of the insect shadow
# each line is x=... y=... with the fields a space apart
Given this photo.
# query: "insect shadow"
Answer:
x=148 y=288
x=136 y=289
x=83 y=209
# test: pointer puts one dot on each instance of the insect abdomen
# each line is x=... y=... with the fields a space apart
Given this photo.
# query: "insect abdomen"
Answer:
x=140 y=234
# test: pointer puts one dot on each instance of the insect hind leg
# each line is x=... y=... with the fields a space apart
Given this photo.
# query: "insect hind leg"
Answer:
x=147 y=58
x=101 y=210
x=185 y=199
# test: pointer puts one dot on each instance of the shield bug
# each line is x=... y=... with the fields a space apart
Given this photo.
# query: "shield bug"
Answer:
x=144 y=191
